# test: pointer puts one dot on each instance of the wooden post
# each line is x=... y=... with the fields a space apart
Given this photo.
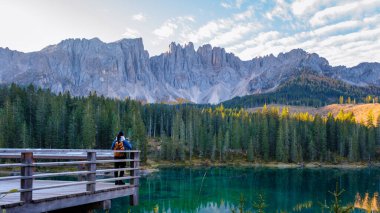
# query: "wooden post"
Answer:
x=134 y=199
x=26 y=173
x=134 y=164
x=91 y=156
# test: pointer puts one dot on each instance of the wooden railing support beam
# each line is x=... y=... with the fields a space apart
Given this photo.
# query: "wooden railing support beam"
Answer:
x=134 y=199
x=26 y=171
x=91 y=167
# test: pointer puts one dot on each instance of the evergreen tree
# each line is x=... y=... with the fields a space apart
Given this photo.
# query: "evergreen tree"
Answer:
x=280 y=144
x=354 y=145
x=181 y=149
x=311 y=153
x=323 y=142
x=363 y=145
x=41 y=114
x=88 y=127
x=226 y=145
x=213 y=149
x=219 y=143
x=139 y=136
x=236 y=134
x=378 y=131
x=250 y=153
x=190 y=135
x=294 y=155
x=371 y=142
x=2 y=129
x=273 y=125
x=24 y=136
x=38 y=118
x=264 y=139
x=331 y=134
x=286 y=134
x=73 y=131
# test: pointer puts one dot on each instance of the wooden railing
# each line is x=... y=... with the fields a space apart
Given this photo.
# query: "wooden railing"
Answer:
x=28 y=159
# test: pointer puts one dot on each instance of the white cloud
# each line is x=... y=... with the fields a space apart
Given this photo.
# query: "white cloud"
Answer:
x=258 y=40
x=335 y=28
x=238 y=3
x=209 y=30
x=173 y=25
x=309 y=7
x=372 y=20
x=244 y=15
x=261 y=38
x=139 y=17
x=234 y=35
x=224 y=31
x=281 y=10
x=131 y=33
x=342 y=39
x=345 y=43
x=186 y=18
x=300 y=7
x=362 y=35
x=232 y=3
x=350 y=9
x=225 y=5
x=165 y=30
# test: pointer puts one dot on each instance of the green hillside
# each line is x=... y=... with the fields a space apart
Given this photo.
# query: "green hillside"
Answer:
x=306 y=89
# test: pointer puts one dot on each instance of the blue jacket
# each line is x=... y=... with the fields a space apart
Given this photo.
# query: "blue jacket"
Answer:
x=126 y=143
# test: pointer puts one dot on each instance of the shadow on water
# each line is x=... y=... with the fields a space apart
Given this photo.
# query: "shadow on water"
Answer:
x=190 y=190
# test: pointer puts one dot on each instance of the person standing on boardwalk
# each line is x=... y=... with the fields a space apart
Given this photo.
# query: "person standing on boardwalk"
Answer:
x=120 y=144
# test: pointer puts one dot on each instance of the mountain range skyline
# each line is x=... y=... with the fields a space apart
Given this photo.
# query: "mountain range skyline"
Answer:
x=203 y=75
x=346 y=32
x=183 y=45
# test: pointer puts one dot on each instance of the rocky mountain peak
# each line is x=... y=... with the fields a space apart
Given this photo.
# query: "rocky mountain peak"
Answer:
x=135 y=44
x=190 y=46
x=124 y=68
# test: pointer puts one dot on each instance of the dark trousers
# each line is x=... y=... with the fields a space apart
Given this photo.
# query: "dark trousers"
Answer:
x=119 y=165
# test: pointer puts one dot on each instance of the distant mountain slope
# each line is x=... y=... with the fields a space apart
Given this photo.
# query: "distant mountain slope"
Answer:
x=306 y=88
x=204 y=75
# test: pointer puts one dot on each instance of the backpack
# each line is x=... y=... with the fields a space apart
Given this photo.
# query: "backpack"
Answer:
x=119 y=145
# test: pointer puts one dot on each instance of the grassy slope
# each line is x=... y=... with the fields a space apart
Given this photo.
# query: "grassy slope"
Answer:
x=360 y=111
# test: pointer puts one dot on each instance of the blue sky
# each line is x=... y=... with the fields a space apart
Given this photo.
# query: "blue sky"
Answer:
x=346 y=32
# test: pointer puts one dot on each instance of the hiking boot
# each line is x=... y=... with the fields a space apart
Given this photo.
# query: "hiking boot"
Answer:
x=116 y=182
x=121 y=182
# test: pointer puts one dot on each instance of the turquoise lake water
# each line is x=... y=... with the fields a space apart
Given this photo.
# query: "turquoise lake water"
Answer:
x=219 y=189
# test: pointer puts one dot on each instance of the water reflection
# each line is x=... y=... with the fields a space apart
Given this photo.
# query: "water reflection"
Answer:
x=367 y=203
x=219 y=189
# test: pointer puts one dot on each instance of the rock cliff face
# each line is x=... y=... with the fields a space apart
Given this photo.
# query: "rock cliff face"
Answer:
x=124 y=69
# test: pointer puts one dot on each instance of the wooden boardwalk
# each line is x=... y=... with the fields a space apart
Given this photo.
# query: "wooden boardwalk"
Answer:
x=59 y=198
x=36 y=195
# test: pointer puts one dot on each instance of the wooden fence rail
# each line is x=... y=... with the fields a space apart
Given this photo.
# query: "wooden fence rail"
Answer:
x=86 y=160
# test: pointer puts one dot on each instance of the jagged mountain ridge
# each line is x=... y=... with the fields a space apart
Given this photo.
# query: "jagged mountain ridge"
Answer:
x=124 y=68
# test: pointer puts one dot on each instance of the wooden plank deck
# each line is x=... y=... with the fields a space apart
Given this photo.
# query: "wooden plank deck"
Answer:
x=49 y=199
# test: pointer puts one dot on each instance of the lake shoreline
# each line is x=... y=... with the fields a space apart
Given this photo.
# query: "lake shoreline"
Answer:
x=156 y=165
